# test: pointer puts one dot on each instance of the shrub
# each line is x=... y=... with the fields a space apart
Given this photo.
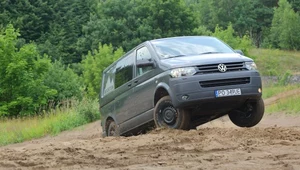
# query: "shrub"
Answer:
x=64 y=81
x=202 y=30
x=89 y=108
x=236 y=42
x=283 y=79
x=22 y=70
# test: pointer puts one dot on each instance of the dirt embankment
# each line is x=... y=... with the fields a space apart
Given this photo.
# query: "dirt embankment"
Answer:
x=273 y=144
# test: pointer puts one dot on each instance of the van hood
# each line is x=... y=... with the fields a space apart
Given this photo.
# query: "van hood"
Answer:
x=194 y=60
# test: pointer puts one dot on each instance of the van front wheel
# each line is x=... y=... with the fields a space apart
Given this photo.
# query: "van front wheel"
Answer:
x=166 y=115
x=250 y=115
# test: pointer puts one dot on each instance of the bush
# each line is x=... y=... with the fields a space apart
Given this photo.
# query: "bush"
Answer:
x=283 y=79
x=89 y=108
x=285 y=28
x=22 y=70
x=202 y=30
x=235 y=42
x=64 y=81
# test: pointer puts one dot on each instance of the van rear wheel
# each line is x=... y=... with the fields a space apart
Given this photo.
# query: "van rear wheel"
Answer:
x=166 y=115
x=112 y=129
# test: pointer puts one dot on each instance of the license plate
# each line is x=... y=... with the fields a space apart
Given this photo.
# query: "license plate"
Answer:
x=228 y=92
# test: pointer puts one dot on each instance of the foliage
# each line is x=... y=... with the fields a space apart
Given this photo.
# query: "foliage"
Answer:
x=202 y=30
x=127 y=23
x=54 y=24
x=89 y=109
x=51 y=123
x=284 y=78
x=94 y=64
x=22 y=89
x=248 y=17
x=285 y=27
x=67 y=83
x=68 y=30
x=236 y=42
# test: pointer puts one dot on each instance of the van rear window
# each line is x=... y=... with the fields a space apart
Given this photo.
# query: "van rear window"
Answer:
x=109 y=80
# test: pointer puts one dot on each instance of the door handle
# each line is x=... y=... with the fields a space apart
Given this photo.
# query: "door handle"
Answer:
x=136 y=81
x=129 y=85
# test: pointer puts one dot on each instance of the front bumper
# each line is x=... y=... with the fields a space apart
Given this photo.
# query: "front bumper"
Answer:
x=197 y=95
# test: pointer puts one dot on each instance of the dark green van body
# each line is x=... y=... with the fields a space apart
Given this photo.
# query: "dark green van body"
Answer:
x=130 y=89
x=131 y=104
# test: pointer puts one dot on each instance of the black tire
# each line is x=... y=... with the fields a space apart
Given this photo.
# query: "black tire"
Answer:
x=112 y=129
x=166 y=115
x=250 y=115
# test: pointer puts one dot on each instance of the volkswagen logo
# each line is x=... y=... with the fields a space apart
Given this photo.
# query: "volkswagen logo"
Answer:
x=222 y=68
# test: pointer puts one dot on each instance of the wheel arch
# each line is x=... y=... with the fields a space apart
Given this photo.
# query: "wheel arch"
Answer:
x=107 y=121
x=162 y=89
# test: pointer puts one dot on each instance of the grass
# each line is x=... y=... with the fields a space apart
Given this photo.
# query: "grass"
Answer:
x=52 y=123
x=289 y=106
x=276 y=62
x=273 y=90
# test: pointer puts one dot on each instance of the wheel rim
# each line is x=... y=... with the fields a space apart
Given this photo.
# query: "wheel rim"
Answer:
x=248 y=112
x=167 y=115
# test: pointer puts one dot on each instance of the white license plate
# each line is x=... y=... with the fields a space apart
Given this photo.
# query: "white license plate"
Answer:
x=228 y=92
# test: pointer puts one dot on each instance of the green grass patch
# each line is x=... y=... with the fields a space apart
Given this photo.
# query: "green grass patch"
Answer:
x=273 y=90
x=51 y=123
x=276 y=62
x=289 y=105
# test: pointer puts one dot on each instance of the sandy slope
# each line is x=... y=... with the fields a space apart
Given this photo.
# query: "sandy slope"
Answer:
x=273 y=144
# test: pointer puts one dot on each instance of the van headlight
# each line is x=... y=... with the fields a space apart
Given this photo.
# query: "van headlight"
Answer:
x=251 y=65
x=180 y=72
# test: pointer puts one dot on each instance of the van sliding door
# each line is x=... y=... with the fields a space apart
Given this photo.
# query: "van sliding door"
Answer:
x=124 y=103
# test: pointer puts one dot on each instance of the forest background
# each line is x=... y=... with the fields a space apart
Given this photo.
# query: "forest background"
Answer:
x=53 y=52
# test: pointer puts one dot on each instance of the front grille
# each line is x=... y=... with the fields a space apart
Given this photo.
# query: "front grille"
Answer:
x=213 y=68
x=225 y=82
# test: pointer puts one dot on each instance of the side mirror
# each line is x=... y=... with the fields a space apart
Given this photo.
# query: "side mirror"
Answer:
x=239 y=51
x=144 y=63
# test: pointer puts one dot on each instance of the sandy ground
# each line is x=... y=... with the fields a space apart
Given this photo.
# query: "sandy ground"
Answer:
x=273 y=144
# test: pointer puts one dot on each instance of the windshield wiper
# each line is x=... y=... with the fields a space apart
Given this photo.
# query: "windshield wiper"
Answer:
x=211 y=52
x=180 y=55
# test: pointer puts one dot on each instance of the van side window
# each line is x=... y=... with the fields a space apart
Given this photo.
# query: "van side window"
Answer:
x=143 y=54
x=124 y=70
x=109 y=80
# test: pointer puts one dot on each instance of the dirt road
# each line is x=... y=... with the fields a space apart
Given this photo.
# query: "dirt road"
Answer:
x=273 y=144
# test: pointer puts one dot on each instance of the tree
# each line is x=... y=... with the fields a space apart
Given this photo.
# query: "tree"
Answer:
x=285 y=27
x=60 y=41
x=55 y=25
x=295 y=4
x=126 y=23
x=236 y=42
x=63 y=79
x=251 y=17
x=22 y=90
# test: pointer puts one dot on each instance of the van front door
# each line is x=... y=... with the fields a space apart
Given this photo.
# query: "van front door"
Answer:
x=144 y=82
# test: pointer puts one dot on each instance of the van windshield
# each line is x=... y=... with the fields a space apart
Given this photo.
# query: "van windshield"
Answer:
x=183 y=46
